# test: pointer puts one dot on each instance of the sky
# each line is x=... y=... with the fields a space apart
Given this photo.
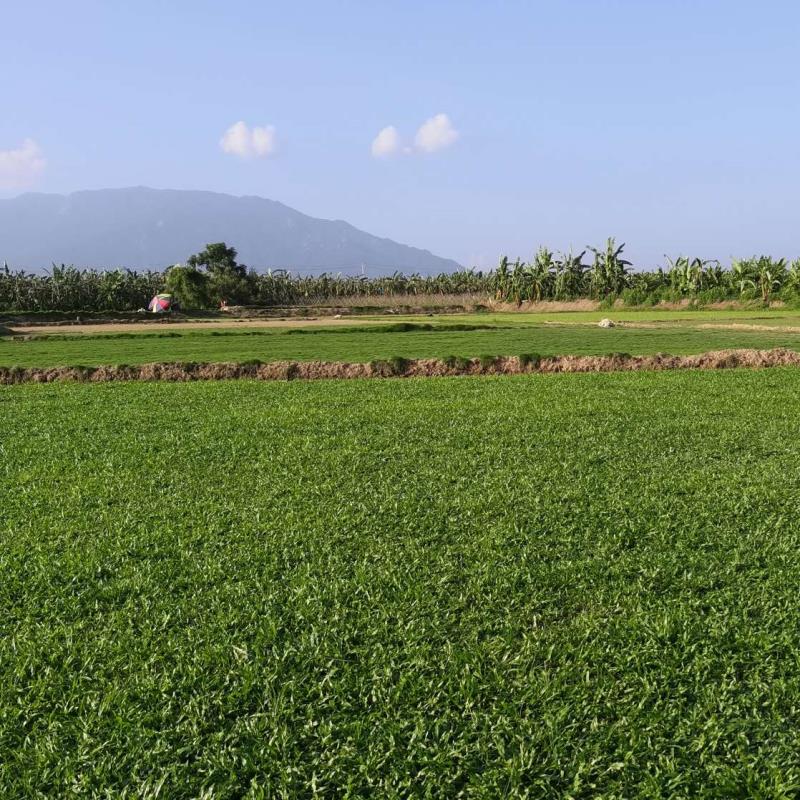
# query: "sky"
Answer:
x=470 y=128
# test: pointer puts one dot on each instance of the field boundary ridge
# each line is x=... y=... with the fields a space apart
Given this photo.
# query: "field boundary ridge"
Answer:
x=399 y=367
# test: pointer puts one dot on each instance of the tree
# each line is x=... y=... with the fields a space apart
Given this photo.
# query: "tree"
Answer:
x=501 y=280
x=771 y=275
x=742 y=274
x=227 y=280
x=539 y=274
x=217 y=258
x=568 y=276
x=609 y=271
x=189 y=285
x=793 y=276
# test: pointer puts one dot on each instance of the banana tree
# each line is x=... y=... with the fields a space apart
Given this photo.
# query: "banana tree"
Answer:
x=517 y=282
x=609 y=271
x=771 y=275
x=539 y=273
x=712 y=274
x=569 y=276
x=792 y=281
x=502 y=280
x=741 y=276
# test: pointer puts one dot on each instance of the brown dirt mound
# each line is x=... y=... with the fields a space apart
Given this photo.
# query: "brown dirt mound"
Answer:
x=419 y=368
x=542 y=306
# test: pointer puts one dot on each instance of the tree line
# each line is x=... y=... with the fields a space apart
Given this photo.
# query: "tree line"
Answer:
x=214 y=276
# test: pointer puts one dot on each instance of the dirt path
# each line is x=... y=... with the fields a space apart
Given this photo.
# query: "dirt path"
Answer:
x=226 y=324
x=743 y=326
x=244 y=323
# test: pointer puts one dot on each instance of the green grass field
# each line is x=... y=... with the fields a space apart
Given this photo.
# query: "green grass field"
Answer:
x=495 y=336
x=544 y=586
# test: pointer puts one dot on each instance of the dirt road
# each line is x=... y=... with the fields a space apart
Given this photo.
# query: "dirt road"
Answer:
x=224 y=324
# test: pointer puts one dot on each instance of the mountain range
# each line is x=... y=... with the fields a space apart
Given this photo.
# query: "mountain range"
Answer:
x=153 y=228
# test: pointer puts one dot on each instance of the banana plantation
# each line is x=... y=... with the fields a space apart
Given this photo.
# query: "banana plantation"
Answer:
x=600 y=274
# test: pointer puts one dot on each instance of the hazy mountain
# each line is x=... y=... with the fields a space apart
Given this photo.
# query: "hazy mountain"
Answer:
x=142 y=227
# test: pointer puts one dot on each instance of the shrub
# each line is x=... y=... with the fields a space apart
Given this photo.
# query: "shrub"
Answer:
x=530 y=360
x=292 y=371
x=399 y=365
x=81 y=373
x=608 y=301
x=791 y=297
x=637 y=297
x=406 y=327
x=457 y=362
x=381 y=368
x=717 y=294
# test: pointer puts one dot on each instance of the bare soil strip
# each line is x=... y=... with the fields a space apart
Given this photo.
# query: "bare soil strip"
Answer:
x=746 y=326
x=420 y=368
x=190 y=325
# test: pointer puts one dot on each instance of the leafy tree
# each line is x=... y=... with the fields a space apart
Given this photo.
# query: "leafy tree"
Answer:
x=227 y=279
x=189 y=285
x=217 y=258
x=231 y=287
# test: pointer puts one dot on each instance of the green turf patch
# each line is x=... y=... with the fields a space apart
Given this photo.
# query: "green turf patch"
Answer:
x=368 y=343
x=399 y=327
x=543 y=586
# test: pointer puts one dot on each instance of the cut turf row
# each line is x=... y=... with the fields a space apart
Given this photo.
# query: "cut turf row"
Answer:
x=379 y=344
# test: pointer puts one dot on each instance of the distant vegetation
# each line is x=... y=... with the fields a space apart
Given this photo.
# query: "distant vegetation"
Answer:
x=214 y=275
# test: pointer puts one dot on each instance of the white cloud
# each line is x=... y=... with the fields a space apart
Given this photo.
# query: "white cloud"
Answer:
x=239 y=140
x=20 y=167
x=435 y=134
x=386 y=143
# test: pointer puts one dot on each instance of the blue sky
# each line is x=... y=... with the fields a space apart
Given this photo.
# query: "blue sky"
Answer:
x=671 y=125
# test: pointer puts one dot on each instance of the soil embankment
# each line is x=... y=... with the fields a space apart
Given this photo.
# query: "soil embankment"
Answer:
x=399 y=368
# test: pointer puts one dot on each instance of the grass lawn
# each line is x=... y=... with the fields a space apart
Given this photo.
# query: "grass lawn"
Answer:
x=498 y=336
x=543 y=586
